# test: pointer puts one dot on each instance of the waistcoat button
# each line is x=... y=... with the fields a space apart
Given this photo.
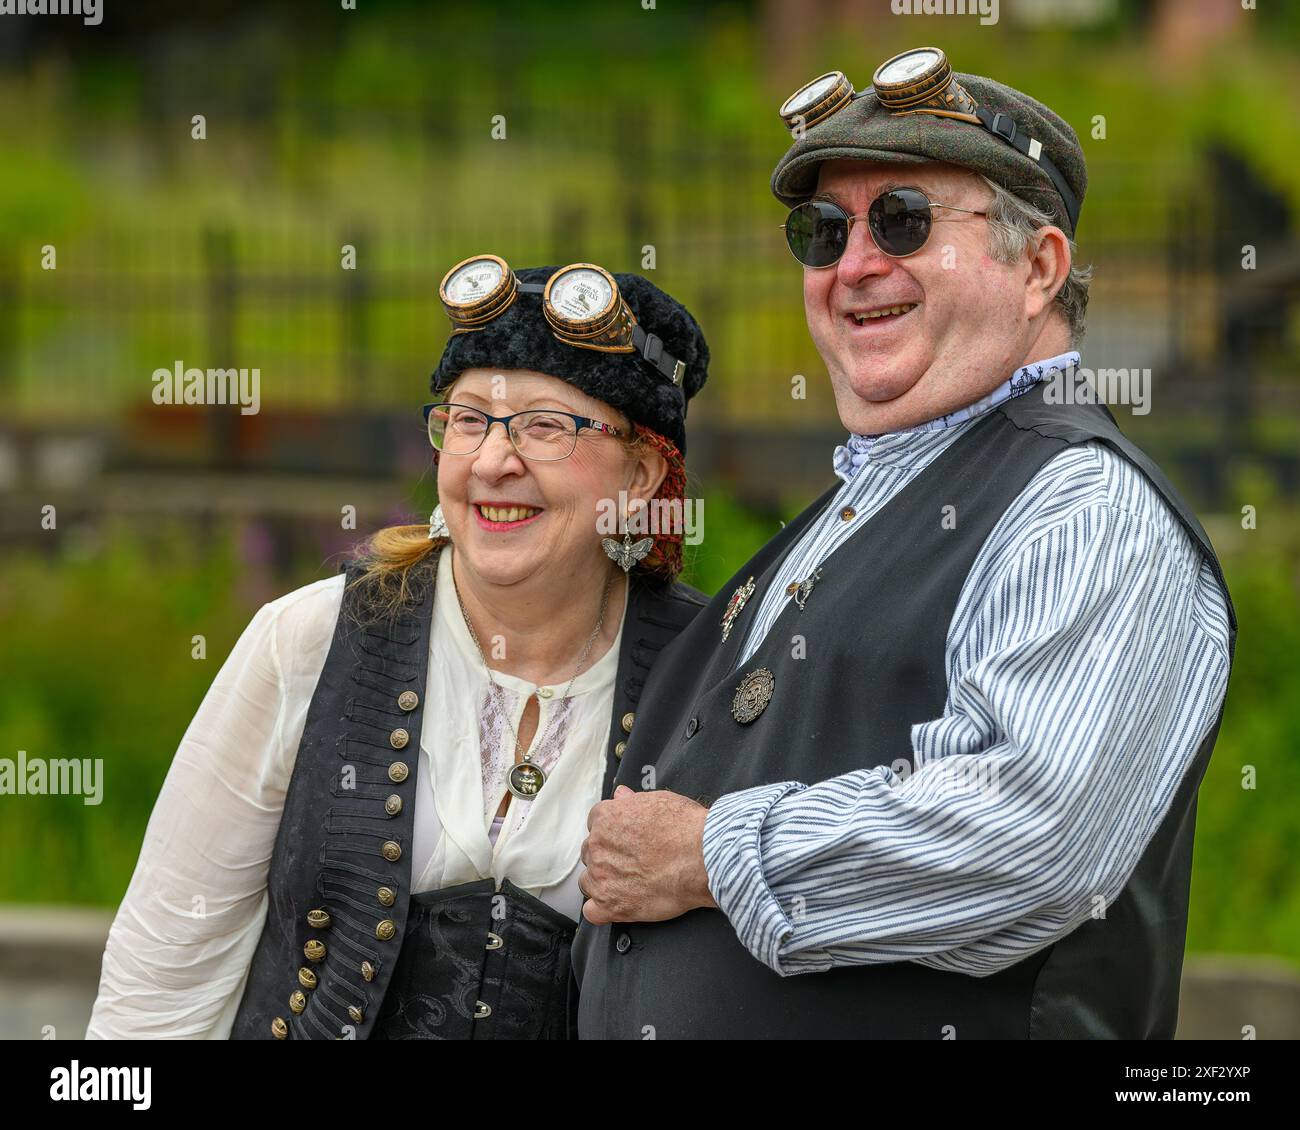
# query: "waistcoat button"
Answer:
x=392 y=851
x=628 y=719
x=298 y=1001
x=279 y=1029
x=495 y=941
x=367 y=971
x=623 y=943
x=356 y=1013
x=481 y=1010
x=318 y=919
x=398 y=738
x=393 y=805
x=386 y=929
x=692 y=727
x=386 y=895
x=620 y=749
x=398 y=772
x=315 y=950
x=408 y=700
x=307 y=977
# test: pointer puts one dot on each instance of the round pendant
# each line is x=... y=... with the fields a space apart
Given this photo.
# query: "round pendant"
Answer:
x=526 y=780
x=753 y=695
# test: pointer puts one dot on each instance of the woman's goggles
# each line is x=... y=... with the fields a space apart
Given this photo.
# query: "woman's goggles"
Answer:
x=899 y=220
x=581 y=303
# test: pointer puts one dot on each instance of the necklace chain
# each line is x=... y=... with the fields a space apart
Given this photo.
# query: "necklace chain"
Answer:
x=600 y=621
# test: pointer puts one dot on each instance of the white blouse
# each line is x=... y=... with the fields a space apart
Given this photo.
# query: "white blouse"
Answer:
x=181 y=944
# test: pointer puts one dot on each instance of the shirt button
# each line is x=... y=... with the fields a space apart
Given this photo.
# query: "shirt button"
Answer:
x=848 y=514
x=792 y=588
x=544 y=692
x=692 y=727
x=623 y=944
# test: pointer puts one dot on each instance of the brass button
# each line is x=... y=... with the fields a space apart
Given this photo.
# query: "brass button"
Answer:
x=628 y=719
x=792 y=588
x=398 y=738
x=848 y=514
x=398 y=772
x=367 y=971
x=315 y=950
x=620 y=749
x=279 y=1029
x=298 y=1001
x=393 y=805
x=542 y=692
x=307 y=977
x=481 y=1010
x=408 y=700
x=386 y=929
x=356 y=1013
x=386 y=895
x=318 y=919
x=392 y=851
x=494 y=941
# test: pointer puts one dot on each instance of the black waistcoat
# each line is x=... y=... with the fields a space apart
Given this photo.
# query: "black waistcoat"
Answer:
x=340 y=909
x=876 y=625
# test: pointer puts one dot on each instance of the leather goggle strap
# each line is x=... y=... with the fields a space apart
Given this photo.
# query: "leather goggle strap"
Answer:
x=1005 y=128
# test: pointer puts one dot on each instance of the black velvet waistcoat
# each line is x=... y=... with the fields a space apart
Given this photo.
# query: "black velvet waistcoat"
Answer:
x=875 y=628
x=342 y=927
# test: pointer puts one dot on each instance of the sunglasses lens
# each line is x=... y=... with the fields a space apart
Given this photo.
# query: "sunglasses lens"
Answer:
x=900 y=221
x=817 y=233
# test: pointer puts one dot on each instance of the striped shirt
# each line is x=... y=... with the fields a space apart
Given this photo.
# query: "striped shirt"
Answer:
x=1086 y=660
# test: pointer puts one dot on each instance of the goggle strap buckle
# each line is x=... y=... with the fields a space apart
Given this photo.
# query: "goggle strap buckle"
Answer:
x=1004 y=127
x=652 y=349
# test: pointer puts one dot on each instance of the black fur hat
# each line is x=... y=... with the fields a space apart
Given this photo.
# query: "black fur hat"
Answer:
x=521 y=339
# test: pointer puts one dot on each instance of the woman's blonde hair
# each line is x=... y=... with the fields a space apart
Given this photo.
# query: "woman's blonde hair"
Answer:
x=387 y=557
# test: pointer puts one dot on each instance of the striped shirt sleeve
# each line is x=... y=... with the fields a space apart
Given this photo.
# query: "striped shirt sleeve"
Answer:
x=1087 y=659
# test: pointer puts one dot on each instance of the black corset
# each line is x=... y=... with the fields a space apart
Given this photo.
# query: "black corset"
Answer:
x=481 y=964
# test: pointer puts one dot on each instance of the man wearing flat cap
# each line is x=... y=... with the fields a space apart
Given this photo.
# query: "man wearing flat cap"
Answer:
x=927 y=765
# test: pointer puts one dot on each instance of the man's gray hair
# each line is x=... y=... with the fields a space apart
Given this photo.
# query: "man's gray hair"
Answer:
x=1012 y=225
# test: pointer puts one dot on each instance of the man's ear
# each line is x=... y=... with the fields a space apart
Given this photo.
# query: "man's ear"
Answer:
x=1049 y=267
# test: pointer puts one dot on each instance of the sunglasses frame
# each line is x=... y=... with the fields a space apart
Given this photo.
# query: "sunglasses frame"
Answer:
x=852 y=219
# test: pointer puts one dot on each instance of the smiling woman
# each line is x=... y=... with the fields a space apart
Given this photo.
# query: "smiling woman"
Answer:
x=389 y=781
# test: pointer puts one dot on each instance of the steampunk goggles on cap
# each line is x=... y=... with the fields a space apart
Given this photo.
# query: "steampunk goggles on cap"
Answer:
x=919 y=81
x=581 y=303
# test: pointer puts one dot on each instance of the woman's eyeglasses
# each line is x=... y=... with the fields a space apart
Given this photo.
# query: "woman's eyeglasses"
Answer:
x=540 y=434
x=900 y=221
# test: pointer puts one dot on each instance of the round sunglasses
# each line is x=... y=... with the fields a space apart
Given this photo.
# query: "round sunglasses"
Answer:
x=899 y=220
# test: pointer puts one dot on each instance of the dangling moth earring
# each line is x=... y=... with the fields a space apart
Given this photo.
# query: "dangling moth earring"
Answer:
x=628 y=552
x=438 y=525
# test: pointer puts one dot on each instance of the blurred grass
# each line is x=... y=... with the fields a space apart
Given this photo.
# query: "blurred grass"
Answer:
x=95 y=662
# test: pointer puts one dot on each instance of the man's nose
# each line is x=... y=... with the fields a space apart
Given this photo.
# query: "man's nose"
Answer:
x=862 y=258
x=496 y=455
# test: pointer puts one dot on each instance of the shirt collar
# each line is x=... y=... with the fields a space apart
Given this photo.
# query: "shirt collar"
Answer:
x=850 y=457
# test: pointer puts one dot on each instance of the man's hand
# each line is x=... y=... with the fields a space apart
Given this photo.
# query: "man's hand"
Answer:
x=644 y=857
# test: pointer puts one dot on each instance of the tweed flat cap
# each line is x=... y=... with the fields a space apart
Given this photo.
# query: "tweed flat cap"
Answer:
x=867 y=130
x=520 y=338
